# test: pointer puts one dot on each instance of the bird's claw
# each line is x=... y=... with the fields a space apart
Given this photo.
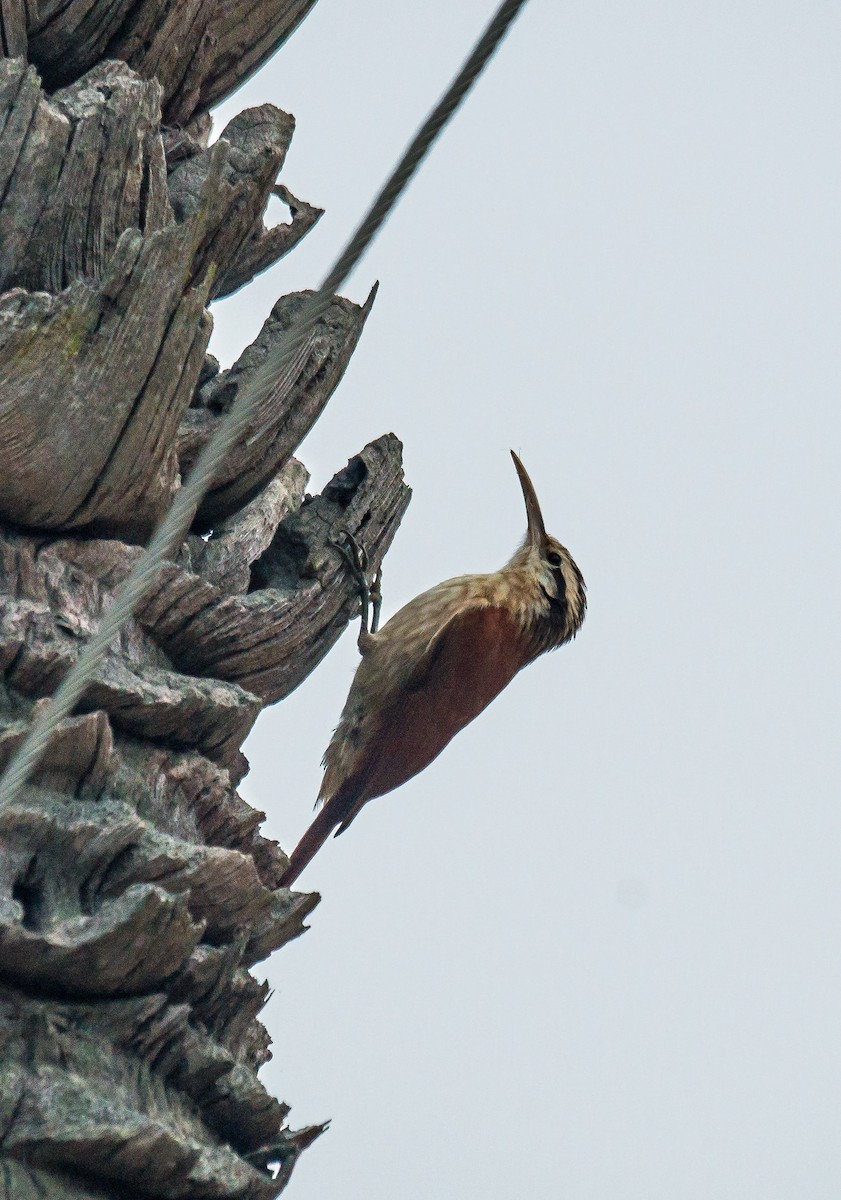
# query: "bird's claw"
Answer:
x=376 y=598
x=370 y=594
x=354 y=555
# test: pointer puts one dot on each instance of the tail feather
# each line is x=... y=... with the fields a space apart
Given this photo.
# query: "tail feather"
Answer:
x=312 y=841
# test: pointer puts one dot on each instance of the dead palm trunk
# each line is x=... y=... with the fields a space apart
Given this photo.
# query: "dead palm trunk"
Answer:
x=135 y=889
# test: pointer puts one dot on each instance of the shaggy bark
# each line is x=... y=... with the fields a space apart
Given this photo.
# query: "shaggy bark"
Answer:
x=136 y=891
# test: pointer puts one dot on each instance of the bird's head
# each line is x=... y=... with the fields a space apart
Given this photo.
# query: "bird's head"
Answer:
x=560 y=585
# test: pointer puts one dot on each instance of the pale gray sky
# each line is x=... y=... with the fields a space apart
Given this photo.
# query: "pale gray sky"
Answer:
x=592 y=952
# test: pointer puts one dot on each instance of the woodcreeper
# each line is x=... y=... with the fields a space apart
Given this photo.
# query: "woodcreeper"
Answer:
x=436 y=664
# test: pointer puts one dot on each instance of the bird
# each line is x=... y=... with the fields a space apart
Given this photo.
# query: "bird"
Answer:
x=435 y=665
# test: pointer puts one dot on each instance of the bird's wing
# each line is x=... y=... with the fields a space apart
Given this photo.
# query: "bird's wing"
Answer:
x=456 y=635
x=468 y=661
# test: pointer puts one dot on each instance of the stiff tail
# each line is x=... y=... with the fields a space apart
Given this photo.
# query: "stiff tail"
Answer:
x=311 y=843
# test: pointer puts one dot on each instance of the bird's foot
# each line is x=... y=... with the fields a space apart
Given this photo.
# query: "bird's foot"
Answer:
x=354 y=555
x=370 y=594
x=376 y=596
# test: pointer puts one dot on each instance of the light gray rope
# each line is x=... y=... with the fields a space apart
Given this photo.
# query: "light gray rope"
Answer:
x=275 y=376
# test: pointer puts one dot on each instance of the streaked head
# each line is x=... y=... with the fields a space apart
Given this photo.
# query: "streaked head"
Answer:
x=554 y=567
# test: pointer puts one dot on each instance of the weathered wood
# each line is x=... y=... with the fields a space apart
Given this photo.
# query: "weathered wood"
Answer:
x=124 y=357
x=151 y=876
x=81 y=167
x=263 y=246
x=279 y=423
x=124 y=912
x=13 y=24
x=19 y=1181
x=99 y=1091
x=301 y=593
x=183 y=141
x=97 y=899
x=80 y=750
x=136 y=890
x=198 y=50
x=107 y=459
x=247 y=34
x=48 y=609
x=298 y=595
x=225 y=559
x=238 y=244
x=76 y=171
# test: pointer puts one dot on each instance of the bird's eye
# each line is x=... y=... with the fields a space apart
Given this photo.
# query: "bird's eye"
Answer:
x=553 y=558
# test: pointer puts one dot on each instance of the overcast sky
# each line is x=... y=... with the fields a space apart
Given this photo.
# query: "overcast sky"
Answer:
x=592 y=952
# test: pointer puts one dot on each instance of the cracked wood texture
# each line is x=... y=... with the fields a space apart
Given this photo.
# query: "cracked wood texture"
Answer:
x=137 y=894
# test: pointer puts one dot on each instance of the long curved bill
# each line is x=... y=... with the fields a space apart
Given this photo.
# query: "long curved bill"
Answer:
x=536 y=529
